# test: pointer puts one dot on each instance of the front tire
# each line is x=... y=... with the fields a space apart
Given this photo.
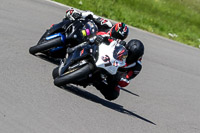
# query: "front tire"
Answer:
x=74 y=75
x=46 y=45
x=55 y=72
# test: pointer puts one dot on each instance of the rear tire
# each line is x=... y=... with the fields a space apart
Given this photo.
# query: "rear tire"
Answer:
x=46 y=45
x=74 y=75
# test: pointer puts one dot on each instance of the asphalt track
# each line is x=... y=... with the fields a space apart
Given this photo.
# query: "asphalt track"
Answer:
x=164 y=98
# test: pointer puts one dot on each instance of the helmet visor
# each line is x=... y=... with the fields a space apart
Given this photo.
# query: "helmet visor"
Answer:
x=120 y=53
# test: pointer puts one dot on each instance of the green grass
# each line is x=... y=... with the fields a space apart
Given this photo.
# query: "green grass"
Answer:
x=180 y=17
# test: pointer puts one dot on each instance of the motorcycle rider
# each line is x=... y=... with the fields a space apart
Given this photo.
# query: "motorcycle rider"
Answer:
x=133 y=66
x=108 y=33
x=105 y=27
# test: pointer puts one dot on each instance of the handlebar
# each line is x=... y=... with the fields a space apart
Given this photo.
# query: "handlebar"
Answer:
x=70 y=50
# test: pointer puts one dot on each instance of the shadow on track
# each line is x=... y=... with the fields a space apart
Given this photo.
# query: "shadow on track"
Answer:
x=130 y=92
x=57 y=62
x=89 y=96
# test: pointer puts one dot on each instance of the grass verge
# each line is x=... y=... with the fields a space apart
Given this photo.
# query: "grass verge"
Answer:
x=175 y=19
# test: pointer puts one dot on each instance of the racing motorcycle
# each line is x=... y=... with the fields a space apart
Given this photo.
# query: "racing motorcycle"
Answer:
x=59 y=37
x=87 y=64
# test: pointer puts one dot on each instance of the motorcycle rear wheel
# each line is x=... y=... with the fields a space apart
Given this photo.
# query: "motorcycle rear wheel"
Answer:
x=74 y=75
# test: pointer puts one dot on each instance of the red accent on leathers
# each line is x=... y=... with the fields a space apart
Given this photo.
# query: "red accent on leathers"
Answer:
x=123 y=83
x=110 y=40
x=70 y=10
x=104 y=33
x=130 y=73
x=101 y=33
x=117 y=88
x=52 y=25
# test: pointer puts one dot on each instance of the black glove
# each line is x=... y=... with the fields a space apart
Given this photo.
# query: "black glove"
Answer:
x=76 y=15
x=99 y=39
x=122 y=43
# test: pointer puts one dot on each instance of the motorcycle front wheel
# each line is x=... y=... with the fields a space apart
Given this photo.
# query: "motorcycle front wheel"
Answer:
x=46 y=45
x=74 y=75
x=55 y=72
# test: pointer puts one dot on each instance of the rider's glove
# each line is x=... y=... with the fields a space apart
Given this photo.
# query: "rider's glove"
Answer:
x=122 y=43
x=99 y=39
x=76 y=15
x=123 y=82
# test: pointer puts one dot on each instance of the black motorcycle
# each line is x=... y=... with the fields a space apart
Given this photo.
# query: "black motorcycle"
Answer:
x=59 y=37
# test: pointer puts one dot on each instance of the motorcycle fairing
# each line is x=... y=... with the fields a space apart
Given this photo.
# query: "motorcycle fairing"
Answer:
x=106 y=59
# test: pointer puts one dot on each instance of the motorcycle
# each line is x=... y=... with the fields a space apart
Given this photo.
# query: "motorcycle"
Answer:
x=87 y=64
x=59 y=37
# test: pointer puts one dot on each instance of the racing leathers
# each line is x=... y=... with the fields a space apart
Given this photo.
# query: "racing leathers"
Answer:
x=111 y=88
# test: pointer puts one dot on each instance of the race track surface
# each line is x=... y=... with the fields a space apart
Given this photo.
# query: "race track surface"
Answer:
x=164 y=98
